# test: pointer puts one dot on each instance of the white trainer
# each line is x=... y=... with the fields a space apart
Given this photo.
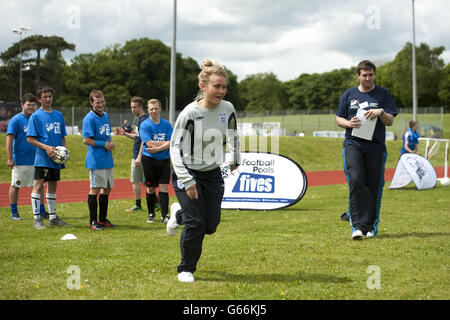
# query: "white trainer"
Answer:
x=357 y=234
x=369 y=235
x=172 y=225
x=186 y=277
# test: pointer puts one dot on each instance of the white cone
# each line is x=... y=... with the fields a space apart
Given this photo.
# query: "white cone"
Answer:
x=69 y=236
x=445 y=181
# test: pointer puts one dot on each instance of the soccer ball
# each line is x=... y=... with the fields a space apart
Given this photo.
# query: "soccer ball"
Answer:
x=62 y=155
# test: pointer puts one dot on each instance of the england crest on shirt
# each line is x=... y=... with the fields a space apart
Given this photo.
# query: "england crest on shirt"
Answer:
x=222 y=117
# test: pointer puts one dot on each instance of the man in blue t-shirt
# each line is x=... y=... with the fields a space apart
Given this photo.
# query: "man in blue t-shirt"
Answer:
x=155 y=134
x=137 y=171
x=364 y=156
x=99 y=160
x=21 y=154
x=46 y=131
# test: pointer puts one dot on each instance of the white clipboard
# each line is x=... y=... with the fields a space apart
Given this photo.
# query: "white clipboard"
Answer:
x=367 y=128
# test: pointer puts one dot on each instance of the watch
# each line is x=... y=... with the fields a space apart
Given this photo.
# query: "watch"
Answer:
x=382 y=111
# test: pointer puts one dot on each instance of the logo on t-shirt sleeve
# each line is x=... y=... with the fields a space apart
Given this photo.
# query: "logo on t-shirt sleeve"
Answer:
x=354 y=104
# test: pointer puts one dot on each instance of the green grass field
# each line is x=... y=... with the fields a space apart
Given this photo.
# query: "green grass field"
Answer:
x=302 y=252
x=312 y=153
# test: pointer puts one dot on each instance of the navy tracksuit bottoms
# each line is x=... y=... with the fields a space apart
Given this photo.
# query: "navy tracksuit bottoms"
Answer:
x=364 y=170
x=200 y=216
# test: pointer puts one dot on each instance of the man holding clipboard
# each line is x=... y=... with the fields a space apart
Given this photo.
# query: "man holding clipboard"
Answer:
x=365 y=111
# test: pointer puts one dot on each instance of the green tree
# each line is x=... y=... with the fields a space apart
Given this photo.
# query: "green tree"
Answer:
x=146 y=68
x=397 y=75
x=319 y=91
x=48 y=51
x=233 y=90
x=261 y=92
x=9 y=82
x=187 y=81
x=102 y=71
x=296 y=91
x=139 y=68
x=444 y=88
x=77 y=81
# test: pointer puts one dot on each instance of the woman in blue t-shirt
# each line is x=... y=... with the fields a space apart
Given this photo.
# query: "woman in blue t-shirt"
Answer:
x=411 y=139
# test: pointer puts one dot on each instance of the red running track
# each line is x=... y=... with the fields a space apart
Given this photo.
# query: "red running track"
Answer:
x=77 y=191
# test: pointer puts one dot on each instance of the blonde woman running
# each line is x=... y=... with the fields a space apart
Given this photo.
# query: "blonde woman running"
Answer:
x=197 y=150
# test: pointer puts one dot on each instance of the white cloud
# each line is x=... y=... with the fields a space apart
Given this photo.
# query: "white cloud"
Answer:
x=199 y=13
x=286 y=37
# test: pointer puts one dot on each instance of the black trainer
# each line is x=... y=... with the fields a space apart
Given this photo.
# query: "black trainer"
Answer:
x=344 y=216
x=106 y=224
x=165 y=219
x=95 y=226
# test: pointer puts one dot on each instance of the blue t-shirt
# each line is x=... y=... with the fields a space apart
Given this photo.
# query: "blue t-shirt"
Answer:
x=97 y=128
x=156 y=132
x=137 y=139
x=48 y=128
x=412 y=137
x=23 y=152
x=379 y=97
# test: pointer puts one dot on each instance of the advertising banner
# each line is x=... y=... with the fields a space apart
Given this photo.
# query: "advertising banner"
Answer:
x=413 y=167
x=263 y=181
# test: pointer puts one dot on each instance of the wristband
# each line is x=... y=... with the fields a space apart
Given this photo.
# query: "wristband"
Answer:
x=98 y=143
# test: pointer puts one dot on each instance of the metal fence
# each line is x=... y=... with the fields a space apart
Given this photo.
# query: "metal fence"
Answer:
x=431 y=120
x=74 y=116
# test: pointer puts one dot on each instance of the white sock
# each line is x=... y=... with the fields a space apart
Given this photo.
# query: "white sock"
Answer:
x=51 y=202
x=36 y=204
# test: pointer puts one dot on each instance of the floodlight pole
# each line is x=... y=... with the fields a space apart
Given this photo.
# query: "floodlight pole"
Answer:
x=173 y=67
x=20 y=31
x=414 y=80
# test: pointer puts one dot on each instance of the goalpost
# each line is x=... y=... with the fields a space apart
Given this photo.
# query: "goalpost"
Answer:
x=445 y=181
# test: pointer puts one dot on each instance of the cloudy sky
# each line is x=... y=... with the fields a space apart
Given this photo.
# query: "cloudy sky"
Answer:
x=286 y=37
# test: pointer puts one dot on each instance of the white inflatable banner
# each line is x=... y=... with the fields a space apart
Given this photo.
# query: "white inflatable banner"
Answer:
x=263 y=181
x=413 y=167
